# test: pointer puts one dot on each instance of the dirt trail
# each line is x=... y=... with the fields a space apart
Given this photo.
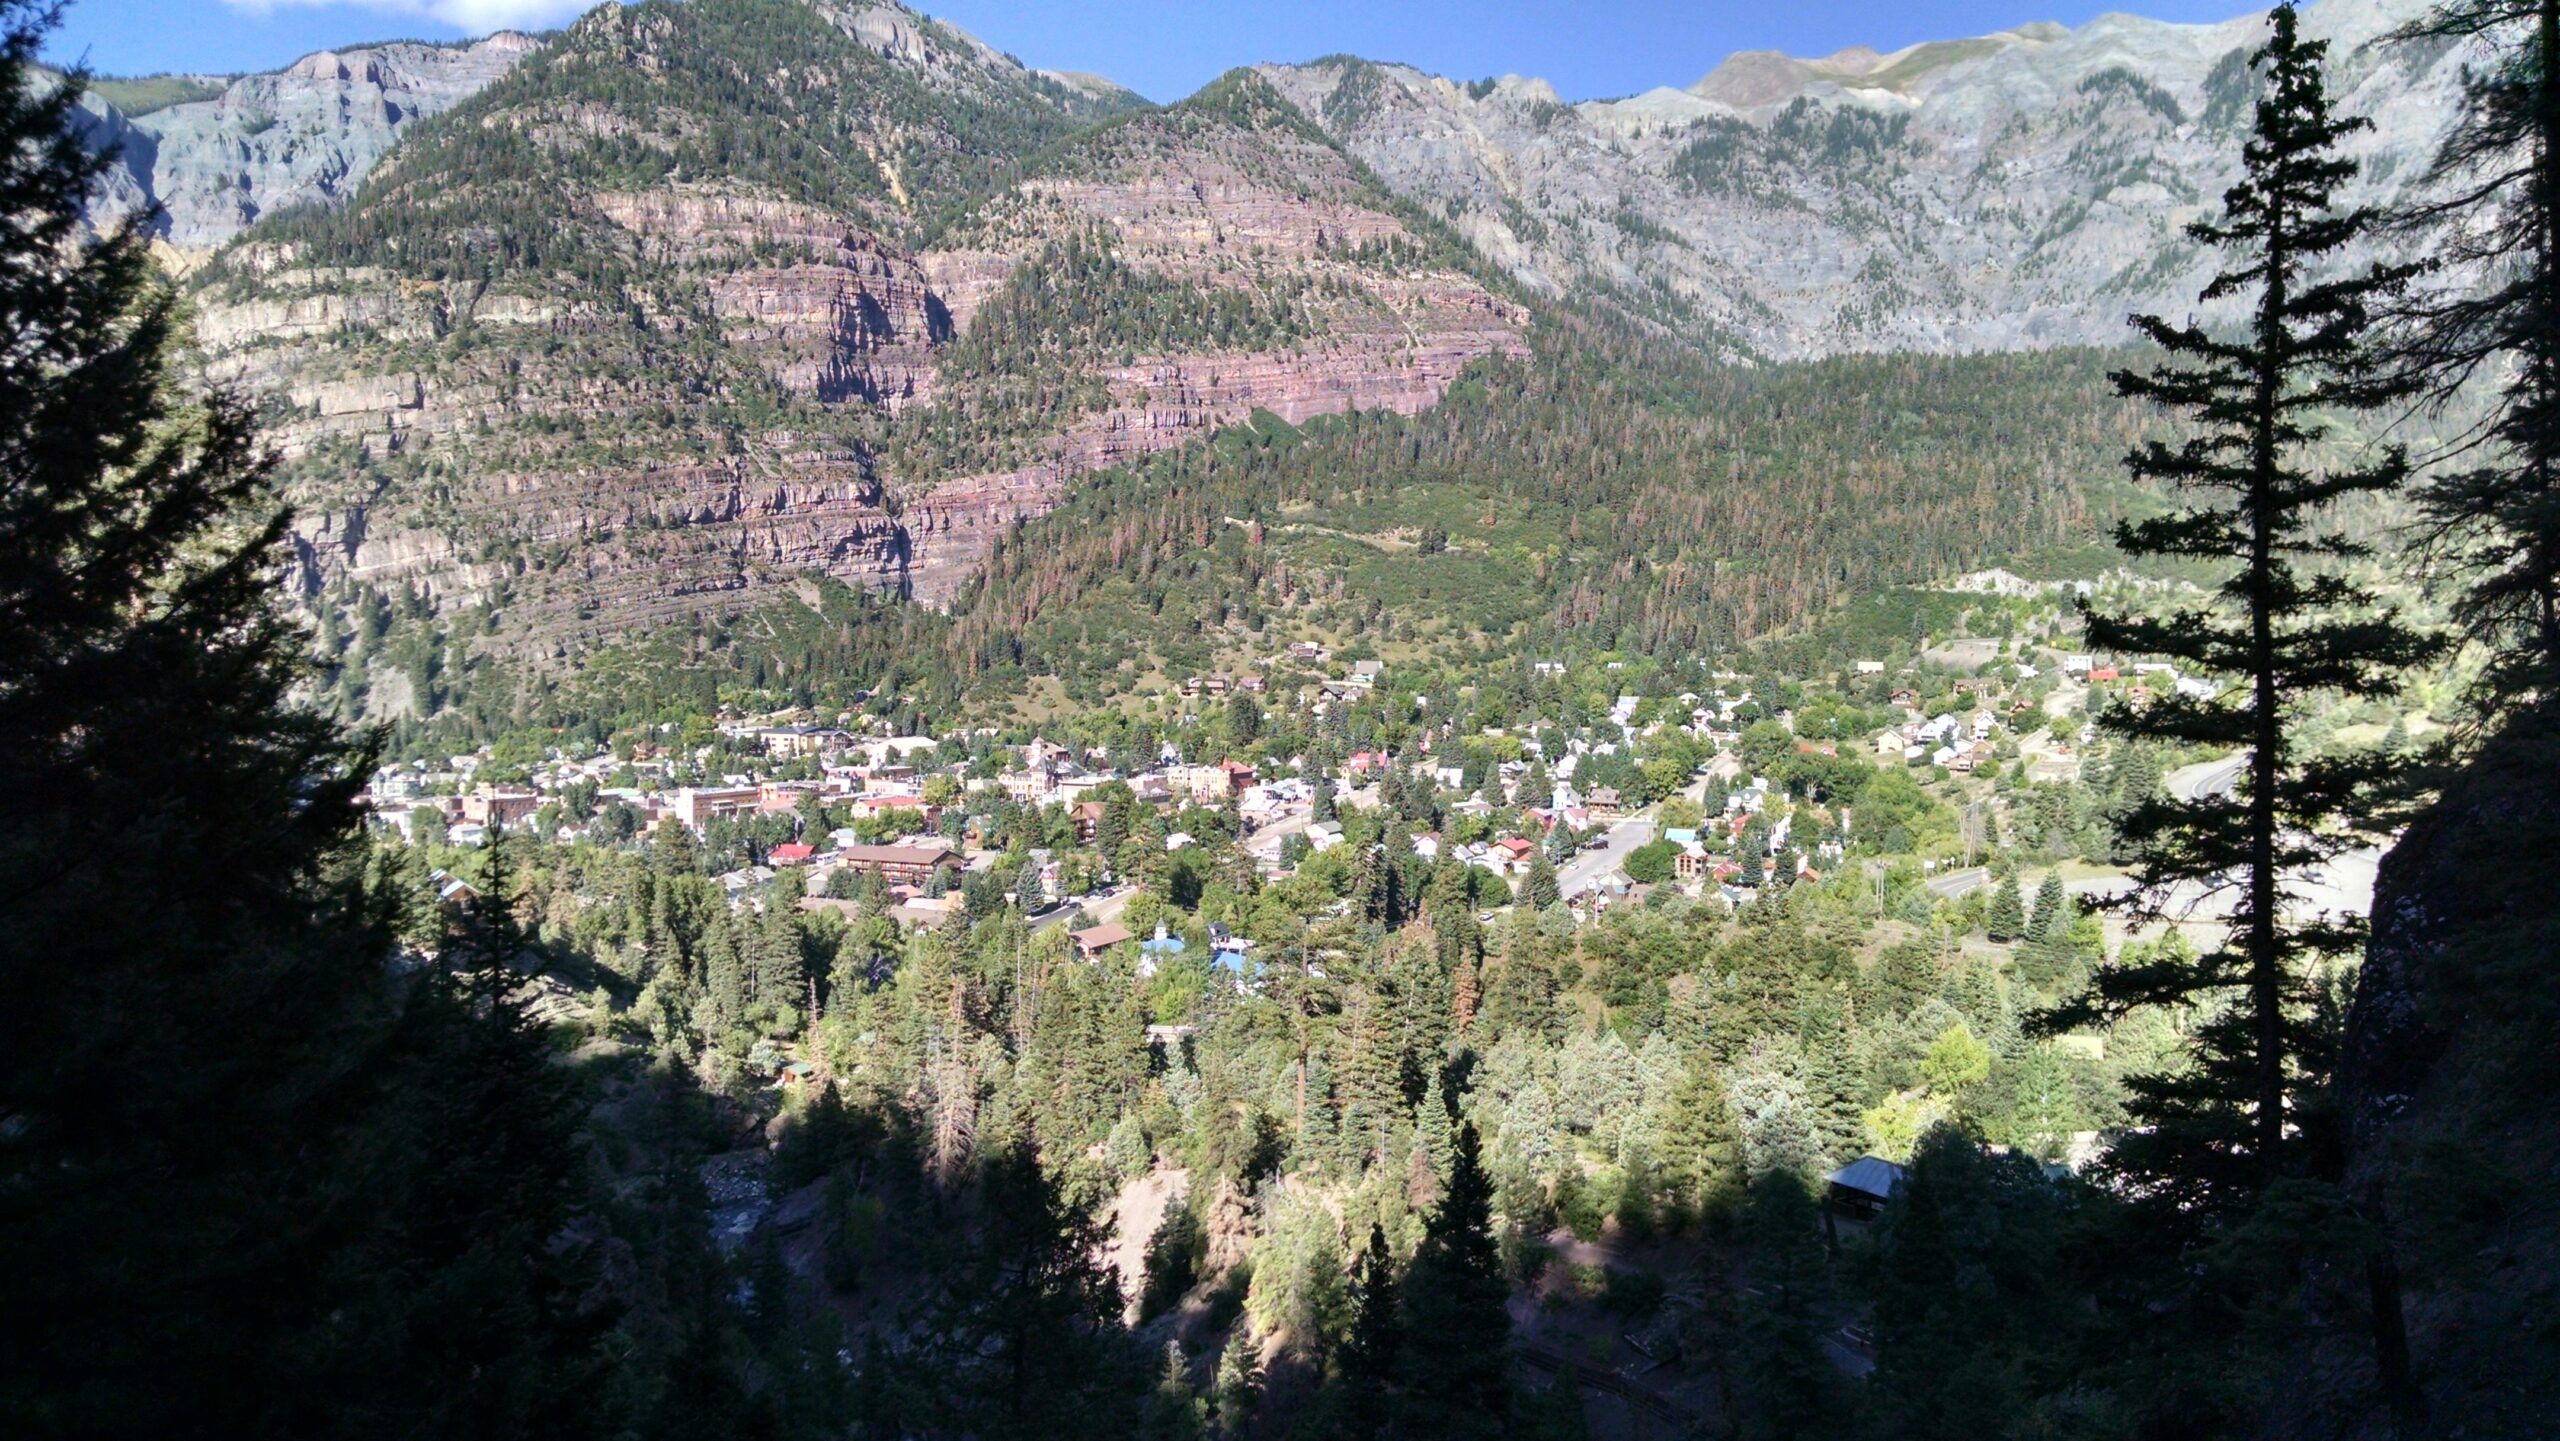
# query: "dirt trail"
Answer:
x=1136 y=1213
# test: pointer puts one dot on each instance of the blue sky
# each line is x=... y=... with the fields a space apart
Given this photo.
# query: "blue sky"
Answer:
x=1167 y=48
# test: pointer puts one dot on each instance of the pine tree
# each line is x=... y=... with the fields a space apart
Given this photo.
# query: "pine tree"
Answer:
x=1244 y=722
x=254 y=1180
x=1432 y=1127
x=2255 y=405
x=1701 y=1146
x=1174 y=1411
x=1173 y=1258
x=776 y=975
x=1786 y=1383
x=1237 y=1390
x=1369 y=883
x=2048 y=912
x=1972 y=1297
x=1541 y=888
x=2491 y=217
x=1022 y=1335
x=1111 y=829
x=1320 y=1141
x=1369 y=1079
x=1830 y=1088
x=725 y=999
x=2007 y=919
x=1371 y=1354
x=1380 y=884
x=1459 y=1384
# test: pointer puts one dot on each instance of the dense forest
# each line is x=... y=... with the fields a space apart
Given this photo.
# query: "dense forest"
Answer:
x=1593 y=499
x=1737 y=510
x=770 y=1071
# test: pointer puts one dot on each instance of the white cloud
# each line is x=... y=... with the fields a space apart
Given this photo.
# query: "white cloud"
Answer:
x=472 y=17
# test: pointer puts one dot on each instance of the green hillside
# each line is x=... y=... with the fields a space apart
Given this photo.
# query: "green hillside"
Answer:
x=664 y=92
x=1581 y=501
x=1597 y=497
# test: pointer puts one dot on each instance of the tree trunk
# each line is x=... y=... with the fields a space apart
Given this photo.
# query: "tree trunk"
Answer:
x=2266 y=962
x=2544 y=360
x=2391 y=1336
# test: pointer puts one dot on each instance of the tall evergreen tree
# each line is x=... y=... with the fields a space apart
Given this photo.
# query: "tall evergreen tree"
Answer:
x=1540 y=888
x=2490 y=214
x=1459 y=1384
x=1701 y=1145
x=1786 y=1383
x=1236 y=1391
x=1174 y=1411
x=2287 y=623
x=1432 y=1127
x=254 y=1178
x=1371 y=1354
x=1973 y=1306
x=1023 y=1334
x=2048 y=912
x=2007 y=919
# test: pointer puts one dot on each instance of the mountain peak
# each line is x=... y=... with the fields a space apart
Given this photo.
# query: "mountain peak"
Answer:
x=1755 y=79
x=2017 y=189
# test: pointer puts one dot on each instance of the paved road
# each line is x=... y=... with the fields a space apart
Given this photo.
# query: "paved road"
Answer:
x=1955 y=885
x=1099 y=910
x=1578 y=874
x=2342 y=887
x=1264 y=845
x=2207 y=778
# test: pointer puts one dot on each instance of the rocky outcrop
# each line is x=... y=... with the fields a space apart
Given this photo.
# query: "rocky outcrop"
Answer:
x=716 y=386
x=306 y=134
x=1167 y=402
x=2445 y=1078
x=852 y=316
x=588 y=555
x=1211 y=207
x=2027 y=188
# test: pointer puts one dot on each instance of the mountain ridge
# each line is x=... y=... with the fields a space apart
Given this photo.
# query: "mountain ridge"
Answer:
x=307 y=133
x=652 y=329
x=696 y=303
x=2021 y=189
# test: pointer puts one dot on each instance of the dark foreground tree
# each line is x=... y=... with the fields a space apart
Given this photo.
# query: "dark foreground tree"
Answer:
x=255 y=1177
x=1784 y=1382
x=2490 y=214
x=2286 y=625
x=1023 y=1338
x=1456 y=1372
x=1971 y=1293
x=1370 y=1354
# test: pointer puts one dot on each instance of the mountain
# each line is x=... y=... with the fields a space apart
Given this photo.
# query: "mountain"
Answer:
x=215 y=154
x=703 y=299
x=2026 y=188
x=698 y=304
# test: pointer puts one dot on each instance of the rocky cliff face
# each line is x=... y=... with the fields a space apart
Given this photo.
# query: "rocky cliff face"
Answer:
x=544 y=364
x=2020 y=189
x=697 y=298
x=2447 y=1082
x=1247 y=204
x=307 y=134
